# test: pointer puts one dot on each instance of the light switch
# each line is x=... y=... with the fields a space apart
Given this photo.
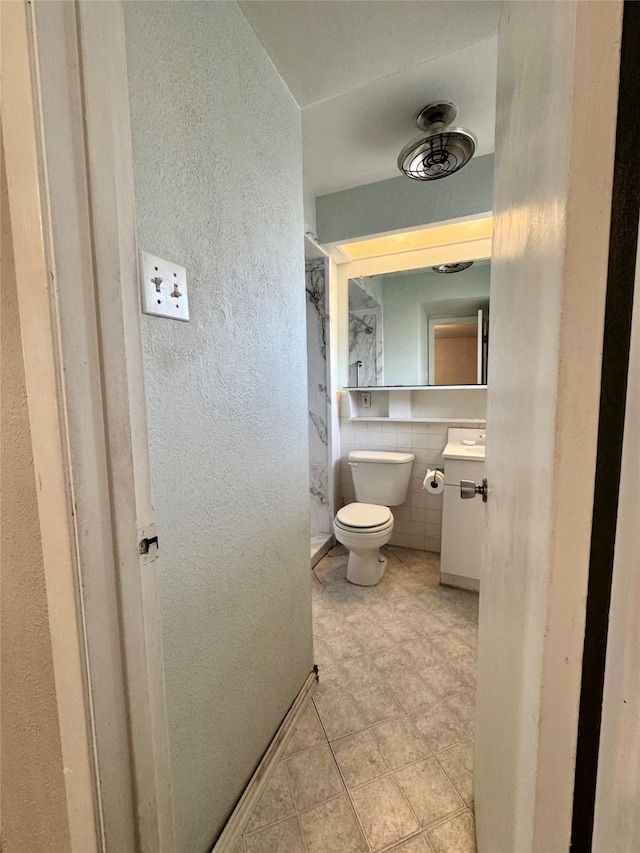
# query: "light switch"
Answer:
x=163 y=288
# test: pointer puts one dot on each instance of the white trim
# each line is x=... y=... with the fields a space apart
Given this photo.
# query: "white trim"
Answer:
x=232 y=833
x=70 y=170
x=37 y=291
x=334 y=250
x=460 y=582
x=469 y=250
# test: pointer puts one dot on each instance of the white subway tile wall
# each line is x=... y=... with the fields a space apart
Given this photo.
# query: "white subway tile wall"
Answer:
x=418 y=521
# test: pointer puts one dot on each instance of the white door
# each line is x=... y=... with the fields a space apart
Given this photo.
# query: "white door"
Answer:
x=548 y=283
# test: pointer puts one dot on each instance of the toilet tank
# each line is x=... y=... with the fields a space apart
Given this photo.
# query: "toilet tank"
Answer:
x=381 y=477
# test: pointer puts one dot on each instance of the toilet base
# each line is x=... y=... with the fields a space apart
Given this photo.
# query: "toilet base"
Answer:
x=366 y=567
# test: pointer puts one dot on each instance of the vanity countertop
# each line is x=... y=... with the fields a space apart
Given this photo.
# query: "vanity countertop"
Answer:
x=465 y=444
x=474 y=452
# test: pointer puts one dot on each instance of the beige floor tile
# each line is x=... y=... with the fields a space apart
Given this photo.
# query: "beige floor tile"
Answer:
x=360 y=672
x=377 y=702
x=467 y=635
x=239 y=847
x=308 y=733
x=457 y=762
x=397 y=659
x=429 y=792
x=321 y=654
x=339 y=715
x=275 y=803
x=401 y=630
x=332 y=828
x=438 y=726
x=411 y=690
x=359 y=758
x=454 y=836
x=330 y=682
x=374 y=647
x=463 y=708
x=282 y=837
x=384 y=813
x=342 y=647
x=444 y=679
x=331 y=568
x=418 y=844
x=314 y=777
x=339 y=597
x=373 y=638
x=447 y=644
x=400 y=742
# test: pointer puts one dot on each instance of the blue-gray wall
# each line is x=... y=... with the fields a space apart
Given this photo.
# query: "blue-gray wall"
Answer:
x=218 y=180
x=402 y=203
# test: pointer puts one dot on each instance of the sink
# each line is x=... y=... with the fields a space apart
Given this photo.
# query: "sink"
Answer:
x=454 y=450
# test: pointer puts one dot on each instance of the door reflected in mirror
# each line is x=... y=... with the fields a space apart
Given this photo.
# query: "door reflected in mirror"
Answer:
x=420 y=327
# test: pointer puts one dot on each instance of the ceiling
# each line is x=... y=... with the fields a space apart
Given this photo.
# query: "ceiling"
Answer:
x=362 y=69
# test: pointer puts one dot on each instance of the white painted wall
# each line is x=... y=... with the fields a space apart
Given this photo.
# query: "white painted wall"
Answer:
x=400 y=203
x=548 y=283
x=407 y=300
x=617 y=815
x=217 y=159
x=309 y=201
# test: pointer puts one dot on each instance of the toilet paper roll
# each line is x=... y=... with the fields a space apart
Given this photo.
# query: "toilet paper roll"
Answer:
x=433 y=482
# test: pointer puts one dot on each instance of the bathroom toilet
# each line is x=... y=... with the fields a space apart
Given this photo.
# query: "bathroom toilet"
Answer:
x=380 y=479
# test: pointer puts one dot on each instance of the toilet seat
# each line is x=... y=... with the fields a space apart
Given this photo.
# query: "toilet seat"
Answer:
x=364 y=518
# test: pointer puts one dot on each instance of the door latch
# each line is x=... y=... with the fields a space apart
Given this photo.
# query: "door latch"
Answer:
x=146 y=544
x=469 y=489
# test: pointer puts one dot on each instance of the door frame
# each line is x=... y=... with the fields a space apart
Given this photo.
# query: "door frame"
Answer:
x=70 y=177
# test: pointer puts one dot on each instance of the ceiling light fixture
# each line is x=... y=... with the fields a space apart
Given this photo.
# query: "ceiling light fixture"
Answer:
x=441 y=150
x=447 y=269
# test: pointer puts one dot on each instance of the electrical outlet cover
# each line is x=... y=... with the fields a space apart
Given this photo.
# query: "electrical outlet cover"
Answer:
x=163 y=288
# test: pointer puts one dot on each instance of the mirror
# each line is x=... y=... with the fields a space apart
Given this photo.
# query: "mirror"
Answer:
x=420 y=327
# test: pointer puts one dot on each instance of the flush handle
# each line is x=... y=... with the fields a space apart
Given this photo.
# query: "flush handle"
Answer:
x=354 y=464
x=469 y=489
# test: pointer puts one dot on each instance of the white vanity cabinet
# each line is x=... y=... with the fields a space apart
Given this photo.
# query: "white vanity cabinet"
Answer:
x=463 y=521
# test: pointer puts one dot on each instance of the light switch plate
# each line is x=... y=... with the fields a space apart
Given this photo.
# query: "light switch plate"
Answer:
x=163 y=288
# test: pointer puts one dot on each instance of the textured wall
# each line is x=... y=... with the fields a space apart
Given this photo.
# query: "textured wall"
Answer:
x=217 y=159
x=34 y=808
x=402 y=203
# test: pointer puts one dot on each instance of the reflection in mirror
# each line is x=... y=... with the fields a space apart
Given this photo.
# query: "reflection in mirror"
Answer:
x=419 y=327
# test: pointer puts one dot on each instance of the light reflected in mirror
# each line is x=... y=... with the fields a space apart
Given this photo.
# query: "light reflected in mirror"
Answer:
x=419 y=327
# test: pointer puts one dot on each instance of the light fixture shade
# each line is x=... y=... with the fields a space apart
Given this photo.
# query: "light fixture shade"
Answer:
x=447 y=269
x=441 y=150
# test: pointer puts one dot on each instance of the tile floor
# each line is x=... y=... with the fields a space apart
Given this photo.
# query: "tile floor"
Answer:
x=382 y=758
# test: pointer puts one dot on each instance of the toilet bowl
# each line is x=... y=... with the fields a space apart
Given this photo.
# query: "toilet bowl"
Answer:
x=364 y=529
x=380 y=479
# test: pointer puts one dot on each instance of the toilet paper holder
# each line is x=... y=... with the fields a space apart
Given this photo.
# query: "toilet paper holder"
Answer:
x=435 y=471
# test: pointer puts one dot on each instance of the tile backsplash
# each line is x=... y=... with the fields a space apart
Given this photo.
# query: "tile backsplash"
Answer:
x=418 y=521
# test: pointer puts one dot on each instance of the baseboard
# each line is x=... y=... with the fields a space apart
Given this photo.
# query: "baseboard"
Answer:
x=232 y=833
x=460 y=582
x=322 y=550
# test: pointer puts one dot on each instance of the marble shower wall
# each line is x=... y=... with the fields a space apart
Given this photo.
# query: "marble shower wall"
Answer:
x=365 y=335
x=319 y=402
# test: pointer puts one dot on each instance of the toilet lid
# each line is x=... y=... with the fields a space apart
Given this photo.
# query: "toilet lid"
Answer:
x=363 y=515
